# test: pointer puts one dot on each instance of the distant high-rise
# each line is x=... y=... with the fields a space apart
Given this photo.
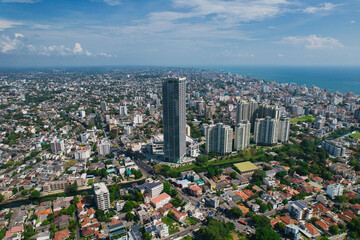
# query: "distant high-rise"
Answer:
x=102 y=196
x=284 y=129
x=123 y=111
x=266 y=131
x=57 y=146
x=242 y=135
x=266 y=110
x=247 y=110
x=219 y=139
x=104 y=147
x=103 y=106
x=174 y=118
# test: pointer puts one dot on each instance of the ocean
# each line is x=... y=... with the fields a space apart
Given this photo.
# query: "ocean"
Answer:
x=341 y=79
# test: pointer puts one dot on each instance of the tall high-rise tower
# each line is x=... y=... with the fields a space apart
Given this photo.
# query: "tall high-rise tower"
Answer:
x=247 y=110
x=174 y=118
x=266 y=131
x=219 y=139
x=242 y=135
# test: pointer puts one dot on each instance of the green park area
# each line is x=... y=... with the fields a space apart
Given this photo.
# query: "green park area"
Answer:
x=355 y=135
x=302 y=119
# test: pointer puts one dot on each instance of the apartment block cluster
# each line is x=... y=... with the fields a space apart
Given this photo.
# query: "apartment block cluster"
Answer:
x=266 y=122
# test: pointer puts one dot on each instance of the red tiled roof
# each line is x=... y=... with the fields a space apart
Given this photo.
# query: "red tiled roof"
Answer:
x=312 y=229
x=43 y=212
x=60 y=235
x=322 y=224
x=159 y=198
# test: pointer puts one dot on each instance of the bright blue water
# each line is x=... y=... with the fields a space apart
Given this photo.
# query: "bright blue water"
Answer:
x=342 y=79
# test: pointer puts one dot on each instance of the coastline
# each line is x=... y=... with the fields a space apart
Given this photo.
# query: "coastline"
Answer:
x=333 y=79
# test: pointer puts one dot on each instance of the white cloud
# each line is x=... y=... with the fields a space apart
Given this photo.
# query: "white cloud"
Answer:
x=313 y=42
x=352 y=21
x=327 y=6
x=8 y=44
x=77 y=49
x=4 y=24
x=112 y=2
x=104 y=54
x=18 y=44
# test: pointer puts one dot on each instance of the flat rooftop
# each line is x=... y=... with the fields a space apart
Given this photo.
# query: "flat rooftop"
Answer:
x=246 y=166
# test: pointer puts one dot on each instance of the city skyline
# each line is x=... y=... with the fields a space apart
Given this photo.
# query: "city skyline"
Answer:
x=209 y=32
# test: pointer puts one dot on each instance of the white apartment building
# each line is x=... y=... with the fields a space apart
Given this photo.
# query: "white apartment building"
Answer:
x=104 y=147
x=102 y=196
x=334 y=190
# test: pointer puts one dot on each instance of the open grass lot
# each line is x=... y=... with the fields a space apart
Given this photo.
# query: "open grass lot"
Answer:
x=190 y=221
x=171 y=223
x=355 y=135
x=302 y=119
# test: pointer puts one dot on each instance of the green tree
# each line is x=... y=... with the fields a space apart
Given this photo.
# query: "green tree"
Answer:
x=334 y=230
x=280 y=226
x=147 y=236
x=129 y=216
x=1 y=197
x=128 y=206
x=236 y=212
x=35 y=194
x=265 y=233
x=72 y=188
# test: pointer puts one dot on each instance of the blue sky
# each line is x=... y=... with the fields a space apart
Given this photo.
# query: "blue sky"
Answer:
x=179 y=32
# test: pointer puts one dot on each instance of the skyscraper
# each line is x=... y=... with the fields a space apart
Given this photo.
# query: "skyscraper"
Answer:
x=266 y=131
x=219 y=139
x=266 y=110
x=57 y=146
x=174 y=118
x=242 y=135
x=247 y=110
x=284 y=129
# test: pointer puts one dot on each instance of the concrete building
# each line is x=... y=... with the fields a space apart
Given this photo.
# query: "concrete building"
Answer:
x=247 y=110
x=174 y=118
x=334 y=190
x=333 y=148
x=138 y=119
x=266 y=131
x=162 y=230
x=242 y=135
x=246 y=168
x=104 y=147
x=103 y=106
x=266 y=110
x=154 y=188
x=123 y=111
x=102 y=196
x=82 y=153
x=320 y=122
x=284 y=129
x=57 y=146
x=219 y=139
x=299 y=210
x=160 y=201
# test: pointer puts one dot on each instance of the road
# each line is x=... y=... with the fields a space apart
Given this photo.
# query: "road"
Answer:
x=144 y=167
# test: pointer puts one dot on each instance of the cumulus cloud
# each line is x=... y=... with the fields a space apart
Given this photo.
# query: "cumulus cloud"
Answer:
x=327 y=6
x=313 y=42
x=8 y=44
x=4 y=24
x=18 y=44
